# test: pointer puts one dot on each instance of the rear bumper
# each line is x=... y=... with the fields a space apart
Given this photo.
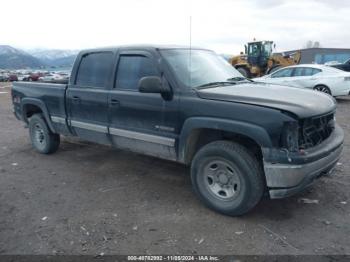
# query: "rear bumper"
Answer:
x=284 y=180
x=343 y=92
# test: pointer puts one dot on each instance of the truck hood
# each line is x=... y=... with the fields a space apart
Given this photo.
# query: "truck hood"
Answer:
x=302 y=102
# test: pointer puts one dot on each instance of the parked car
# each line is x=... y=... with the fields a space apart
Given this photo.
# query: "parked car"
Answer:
x=21 y=77
x=345 y=66
x=64 y=75
x=240 y=138
x=322 y=78
x=32 y=77
x=13 y=77
x=51 y=77
x=4 y=77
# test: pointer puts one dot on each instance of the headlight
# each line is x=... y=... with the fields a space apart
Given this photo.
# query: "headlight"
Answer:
x=290 y=136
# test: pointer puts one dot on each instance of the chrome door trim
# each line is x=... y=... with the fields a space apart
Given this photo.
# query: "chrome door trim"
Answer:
x=166 y=141
x=57 y=119
x=92 y=127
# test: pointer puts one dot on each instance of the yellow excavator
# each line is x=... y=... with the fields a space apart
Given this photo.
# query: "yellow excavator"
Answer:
x=259 y=60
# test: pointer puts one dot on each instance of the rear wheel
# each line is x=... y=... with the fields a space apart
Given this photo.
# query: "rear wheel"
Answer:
x=244 y=72
x=43 y=140
x=227 y=177
x=323 y=88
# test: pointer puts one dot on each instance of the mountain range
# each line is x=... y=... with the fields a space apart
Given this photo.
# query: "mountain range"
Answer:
x=14 y=58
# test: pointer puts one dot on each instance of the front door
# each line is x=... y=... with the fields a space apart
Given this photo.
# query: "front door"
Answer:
x=281 y=77
x=137 y=120
x=87 y=98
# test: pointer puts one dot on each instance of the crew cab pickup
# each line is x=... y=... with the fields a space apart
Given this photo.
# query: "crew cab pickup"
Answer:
x=344 y=66
x=241 y=139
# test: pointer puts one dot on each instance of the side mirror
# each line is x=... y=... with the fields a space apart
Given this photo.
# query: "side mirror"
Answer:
x=245 y=49
x=150 y=84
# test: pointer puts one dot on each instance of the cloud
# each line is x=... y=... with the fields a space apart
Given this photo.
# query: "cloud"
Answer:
x=266 y=4
x=224 y=25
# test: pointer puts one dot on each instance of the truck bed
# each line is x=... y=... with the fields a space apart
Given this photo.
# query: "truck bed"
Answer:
x=50 y=95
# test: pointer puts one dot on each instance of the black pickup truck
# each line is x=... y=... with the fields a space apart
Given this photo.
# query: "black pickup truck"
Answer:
x=241 y=139
x=345 y=66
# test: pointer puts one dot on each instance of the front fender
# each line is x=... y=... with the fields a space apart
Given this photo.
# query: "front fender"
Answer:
x=36 y=102
x=254 y=132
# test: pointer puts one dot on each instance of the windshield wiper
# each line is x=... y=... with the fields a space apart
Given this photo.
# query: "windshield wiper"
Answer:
x=212 y=84
x=239 y=78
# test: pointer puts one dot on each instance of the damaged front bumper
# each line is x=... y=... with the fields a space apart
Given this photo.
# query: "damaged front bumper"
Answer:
x=289 y=173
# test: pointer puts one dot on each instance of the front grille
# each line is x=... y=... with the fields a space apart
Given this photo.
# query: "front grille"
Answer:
x=313 y=131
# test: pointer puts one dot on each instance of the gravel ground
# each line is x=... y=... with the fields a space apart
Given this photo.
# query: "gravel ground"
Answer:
x=91 y=199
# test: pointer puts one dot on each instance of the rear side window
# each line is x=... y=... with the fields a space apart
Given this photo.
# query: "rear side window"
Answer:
x=283 y=73
x=306 y=71
x=95 y=69
x=299 y=71
x=316 y=71
x=309 y=71
x=131 y=69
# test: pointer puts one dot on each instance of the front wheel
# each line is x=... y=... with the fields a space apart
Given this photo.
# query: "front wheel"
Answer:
x=227 y=177
x=43 y=140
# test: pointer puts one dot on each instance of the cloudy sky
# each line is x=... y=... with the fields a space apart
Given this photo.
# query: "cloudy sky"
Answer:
x=222 y=25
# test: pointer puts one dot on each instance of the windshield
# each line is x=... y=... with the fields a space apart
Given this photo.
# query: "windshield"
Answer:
x=267 y=49
x=196 y=68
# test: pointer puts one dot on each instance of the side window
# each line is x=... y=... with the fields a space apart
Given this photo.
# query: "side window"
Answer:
x=131 y=68
x=283 y=73
x=95 y=69
x=308 y=71
x=299 y=71
x=316 y=71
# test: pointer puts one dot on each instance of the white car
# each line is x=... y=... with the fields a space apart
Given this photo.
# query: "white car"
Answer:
x=22 y=77
x=318 y=77
x=50 y=77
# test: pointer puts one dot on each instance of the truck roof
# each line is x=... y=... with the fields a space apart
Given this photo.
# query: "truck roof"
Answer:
x=142 y=47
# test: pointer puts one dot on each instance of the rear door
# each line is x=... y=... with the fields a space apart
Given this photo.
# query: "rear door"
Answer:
x=87 y=97
x=305 y=77
x=140 y=121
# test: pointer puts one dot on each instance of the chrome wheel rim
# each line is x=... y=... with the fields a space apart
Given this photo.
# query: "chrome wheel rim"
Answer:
x=323 y=89
x=39 y=136
x=222 y=179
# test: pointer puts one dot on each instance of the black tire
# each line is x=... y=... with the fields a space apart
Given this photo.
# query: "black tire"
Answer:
x=43 y=140
x=244 y=72
x=250 y=188
x=323 y=89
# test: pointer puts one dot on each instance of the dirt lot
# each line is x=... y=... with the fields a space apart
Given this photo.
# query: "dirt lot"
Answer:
x=91 y=199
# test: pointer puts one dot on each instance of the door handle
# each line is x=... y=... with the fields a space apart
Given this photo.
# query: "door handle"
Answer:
x=76 y=99
x=114 y=102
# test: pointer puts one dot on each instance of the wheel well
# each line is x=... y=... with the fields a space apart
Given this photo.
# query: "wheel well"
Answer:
x=30 y=110
x=321 y=85
x=200 y=137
